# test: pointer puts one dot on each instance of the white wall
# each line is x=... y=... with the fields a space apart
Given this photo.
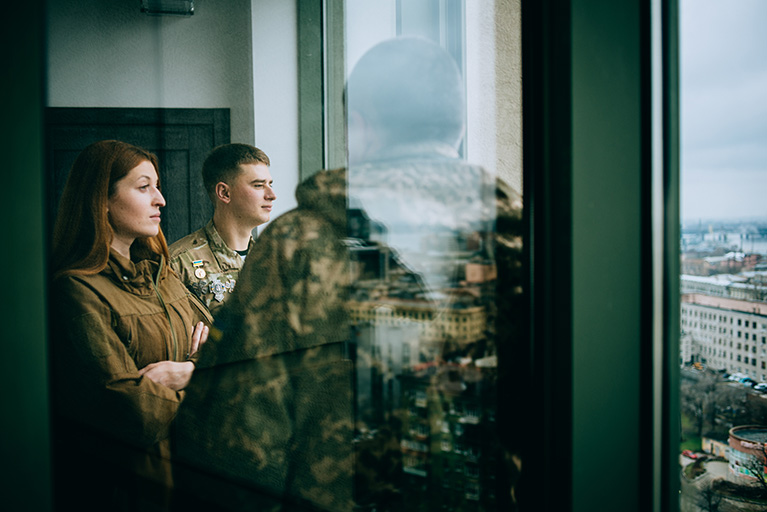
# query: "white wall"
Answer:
x=106 y=53
x=275 y=63
x=494 y=87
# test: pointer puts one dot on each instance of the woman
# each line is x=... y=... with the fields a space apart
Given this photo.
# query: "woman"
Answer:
x=125 y=333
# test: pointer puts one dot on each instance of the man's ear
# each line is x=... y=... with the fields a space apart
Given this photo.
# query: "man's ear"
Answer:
x=222 y=192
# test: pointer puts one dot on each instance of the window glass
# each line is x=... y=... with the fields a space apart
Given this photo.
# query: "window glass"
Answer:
x=367 y=356
x=723 y=65
x=432 y=206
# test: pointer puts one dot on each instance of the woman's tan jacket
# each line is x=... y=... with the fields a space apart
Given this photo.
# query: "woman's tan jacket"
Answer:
x=105 y=328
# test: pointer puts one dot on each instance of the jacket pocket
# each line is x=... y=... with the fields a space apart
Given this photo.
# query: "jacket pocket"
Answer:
x=125 y=327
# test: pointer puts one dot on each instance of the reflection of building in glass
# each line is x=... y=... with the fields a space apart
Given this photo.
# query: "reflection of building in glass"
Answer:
x=748 y=451
x=726 y=334
x=448 y=440
x=480 y=272
x=462 y=325
x=425 y=365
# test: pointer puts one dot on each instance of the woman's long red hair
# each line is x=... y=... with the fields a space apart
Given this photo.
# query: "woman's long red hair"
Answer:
x=82 y=234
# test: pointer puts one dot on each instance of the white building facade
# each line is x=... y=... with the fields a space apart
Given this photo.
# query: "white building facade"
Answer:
x=725 y=334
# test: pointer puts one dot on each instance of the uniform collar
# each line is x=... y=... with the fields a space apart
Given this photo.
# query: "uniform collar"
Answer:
x=215 y=240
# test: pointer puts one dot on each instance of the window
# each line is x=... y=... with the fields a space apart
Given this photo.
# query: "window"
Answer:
x=723 y=60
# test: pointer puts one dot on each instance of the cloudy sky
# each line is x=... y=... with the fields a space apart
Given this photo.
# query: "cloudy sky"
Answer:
x=723 y=81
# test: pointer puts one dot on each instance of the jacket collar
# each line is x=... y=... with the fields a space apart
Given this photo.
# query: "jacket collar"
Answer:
x=136 y=277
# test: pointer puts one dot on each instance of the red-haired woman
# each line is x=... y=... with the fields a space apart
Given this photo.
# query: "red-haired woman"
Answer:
x=125 y=331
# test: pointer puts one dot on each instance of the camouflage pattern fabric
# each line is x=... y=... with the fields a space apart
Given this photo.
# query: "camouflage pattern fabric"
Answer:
x=357 y=363
x=270 y=404
x=206 y=265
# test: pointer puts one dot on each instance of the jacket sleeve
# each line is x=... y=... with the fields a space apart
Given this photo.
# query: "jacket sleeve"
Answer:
x=201 y=314
x=96 y=381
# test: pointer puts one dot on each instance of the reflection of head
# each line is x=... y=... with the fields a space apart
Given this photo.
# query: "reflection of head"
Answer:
x=223 y=164
x=82 y=234
x=406 y=90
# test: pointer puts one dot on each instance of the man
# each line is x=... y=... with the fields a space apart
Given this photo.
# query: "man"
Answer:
x=346 y=311
x=237 y=180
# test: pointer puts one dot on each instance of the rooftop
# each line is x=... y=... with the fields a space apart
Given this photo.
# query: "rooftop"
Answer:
x=753 y=434
x=743 y=306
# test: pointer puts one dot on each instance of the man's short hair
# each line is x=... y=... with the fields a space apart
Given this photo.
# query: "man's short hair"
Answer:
x=223 y=164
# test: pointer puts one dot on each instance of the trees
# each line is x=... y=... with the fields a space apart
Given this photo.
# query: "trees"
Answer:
x=755 y=464
x=708 y=499
x=699 y=398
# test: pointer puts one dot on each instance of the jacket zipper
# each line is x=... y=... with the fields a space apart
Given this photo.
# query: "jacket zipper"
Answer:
x=165 y=308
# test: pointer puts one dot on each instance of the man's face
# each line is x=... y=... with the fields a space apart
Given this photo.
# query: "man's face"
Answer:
x=251 y=194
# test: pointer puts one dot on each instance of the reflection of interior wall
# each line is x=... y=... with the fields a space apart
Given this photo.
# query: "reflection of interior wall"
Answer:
x=494 y=87
x=109 y=54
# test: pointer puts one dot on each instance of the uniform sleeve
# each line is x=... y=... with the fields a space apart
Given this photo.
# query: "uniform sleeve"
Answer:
x=178 y=265
x=96 y=381
x=175 y=264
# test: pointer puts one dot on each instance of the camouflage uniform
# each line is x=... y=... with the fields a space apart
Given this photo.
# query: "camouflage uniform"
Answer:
x=299 y=402
x=270 y=406
x=206 y=265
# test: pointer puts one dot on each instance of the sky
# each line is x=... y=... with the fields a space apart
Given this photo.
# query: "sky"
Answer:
x=723 y=109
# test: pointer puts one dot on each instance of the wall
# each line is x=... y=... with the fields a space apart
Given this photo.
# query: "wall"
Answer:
x=275 y=94
x=108 y=54
x=494 y=88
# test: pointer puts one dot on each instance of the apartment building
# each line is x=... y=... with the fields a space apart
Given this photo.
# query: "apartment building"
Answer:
x=727 y=334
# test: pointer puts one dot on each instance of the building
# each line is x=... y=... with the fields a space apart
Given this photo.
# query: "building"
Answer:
x=715 y=447
x=748 y=451
x=462 y=325
x=725 y=334
x=449 y=446
x=744 y=286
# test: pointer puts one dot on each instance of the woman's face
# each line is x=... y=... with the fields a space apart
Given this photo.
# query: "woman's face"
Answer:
x=134 y=207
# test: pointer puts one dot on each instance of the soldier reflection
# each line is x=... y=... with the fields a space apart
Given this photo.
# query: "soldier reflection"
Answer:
x=357 y=364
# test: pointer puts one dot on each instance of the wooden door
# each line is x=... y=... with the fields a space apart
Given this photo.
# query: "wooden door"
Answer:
x=181 y=138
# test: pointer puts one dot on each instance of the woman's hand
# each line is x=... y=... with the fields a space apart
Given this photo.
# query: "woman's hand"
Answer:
x=169 y=373
x=199 y=337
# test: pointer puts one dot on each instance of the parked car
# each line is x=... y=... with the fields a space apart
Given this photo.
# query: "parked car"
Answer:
x=762 y=387
x=690 y=454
